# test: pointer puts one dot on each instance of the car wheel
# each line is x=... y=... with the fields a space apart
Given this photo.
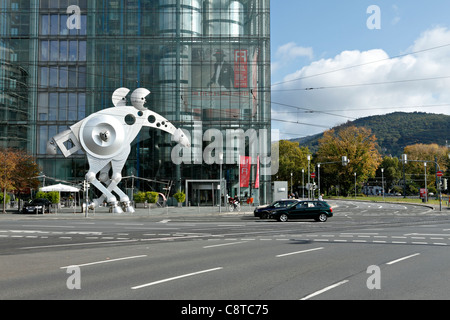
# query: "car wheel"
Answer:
x=283 y=217
x=322 y=217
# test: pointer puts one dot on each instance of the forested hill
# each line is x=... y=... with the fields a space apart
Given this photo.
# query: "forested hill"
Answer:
x=397 y=130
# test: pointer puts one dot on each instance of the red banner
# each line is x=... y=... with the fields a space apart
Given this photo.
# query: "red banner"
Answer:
x=240 y=69
x=257 y=174
x=244 y=171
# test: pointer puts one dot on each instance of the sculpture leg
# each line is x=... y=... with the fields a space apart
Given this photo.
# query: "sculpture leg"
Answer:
x=117 y=167
x=95 y=166
x=106 y=180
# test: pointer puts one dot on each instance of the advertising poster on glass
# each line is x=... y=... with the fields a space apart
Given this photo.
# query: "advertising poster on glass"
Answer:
x=224 y=82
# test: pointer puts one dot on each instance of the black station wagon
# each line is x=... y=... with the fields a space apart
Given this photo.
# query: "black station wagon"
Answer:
x=317 y=210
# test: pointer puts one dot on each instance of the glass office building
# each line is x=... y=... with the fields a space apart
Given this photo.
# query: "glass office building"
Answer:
x=206 y=62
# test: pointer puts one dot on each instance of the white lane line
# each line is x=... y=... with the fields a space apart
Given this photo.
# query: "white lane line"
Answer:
x=324 y=290
x=47 y=226
x=428 y=234
x=404 y=258
x=77 y=244
x=224 y=244
x=298 y=252
x=104 y=261
x=175 y=278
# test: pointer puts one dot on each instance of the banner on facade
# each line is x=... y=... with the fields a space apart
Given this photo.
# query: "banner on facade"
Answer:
x=244 y=171
x=257 y=174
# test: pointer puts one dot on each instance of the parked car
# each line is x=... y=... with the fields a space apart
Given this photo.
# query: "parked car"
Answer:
x=263 y=212
x=317 y=210
x=37 y=206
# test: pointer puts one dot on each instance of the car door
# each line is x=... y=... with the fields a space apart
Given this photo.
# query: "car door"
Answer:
x=298 y=211
x=312 y=210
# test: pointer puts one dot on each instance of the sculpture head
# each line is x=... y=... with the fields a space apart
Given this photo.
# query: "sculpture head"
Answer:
x=138 y=98
x=119 y=97
x=180 y=137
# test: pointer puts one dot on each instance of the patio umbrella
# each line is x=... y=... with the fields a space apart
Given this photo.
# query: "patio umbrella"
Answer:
x=59 y=187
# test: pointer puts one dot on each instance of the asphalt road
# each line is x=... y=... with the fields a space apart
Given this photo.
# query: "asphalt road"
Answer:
x=366 y=251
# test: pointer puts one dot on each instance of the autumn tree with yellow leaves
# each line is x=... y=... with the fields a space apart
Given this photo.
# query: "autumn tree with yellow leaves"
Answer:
x=18 y=171
x=360 y=147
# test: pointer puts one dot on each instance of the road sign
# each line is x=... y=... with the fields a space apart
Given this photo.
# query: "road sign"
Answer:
x=439 y=174
x=313 y=175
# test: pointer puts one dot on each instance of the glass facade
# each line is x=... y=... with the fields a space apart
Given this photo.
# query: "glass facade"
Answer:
x=14 y=74
x=206 y=62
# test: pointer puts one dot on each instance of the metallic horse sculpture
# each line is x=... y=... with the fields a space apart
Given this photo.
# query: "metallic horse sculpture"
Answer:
x=105 y=137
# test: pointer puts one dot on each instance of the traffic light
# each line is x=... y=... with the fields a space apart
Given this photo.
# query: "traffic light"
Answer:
x=404 y=158
x=345 y=161
x=444 y=185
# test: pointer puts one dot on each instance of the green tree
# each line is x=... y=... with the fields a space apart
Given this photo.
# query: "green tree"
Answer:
x=52 y=196
x=25 y=173
x=425 y=152
x=360 y=147
x=18 y=171
x=292 y=159
x=392 y=172
x=8 y=162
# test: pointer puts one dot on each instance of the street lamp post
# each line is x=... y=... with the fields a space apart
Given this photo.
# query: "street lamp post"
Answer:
x=382 y=181
x=318 y=179
x=309 y=185
x=220 y=189
x=291 y=183
x=303 y=183
x=426 y=187
x=355 y=183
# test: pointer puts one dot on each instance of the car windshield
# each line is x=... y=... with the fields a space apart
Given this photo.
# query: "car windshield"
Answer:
x=38 y=202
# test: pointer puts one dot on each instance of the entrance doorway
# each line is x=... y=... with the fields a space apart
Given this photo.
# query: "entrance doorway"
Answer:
x=204 y=193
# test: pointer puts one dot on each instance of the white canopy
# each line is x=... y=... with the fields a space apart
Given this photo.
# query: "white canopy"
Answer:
x=60 y=187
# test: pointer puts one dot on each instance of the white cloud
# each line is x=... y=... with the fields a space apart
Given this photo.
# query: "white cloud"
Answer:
x=359 y=84
x=288 y=53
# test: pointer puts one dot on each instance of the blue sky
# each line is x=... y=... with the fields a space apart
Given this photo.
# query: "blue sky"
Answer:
x=322 y=36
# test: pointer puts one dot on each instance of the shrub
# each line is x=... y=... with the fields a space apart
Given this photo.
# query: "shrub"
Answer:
x=8 y=198
x=180 y=196
x=150 y=197
x=52 y=196
x=139 y=197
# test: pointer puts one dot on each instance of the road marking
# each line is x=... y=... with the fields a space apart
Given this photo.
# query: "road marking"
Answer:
x=104 y=261
x=360 y=233
x=77 y=244
x=224 y=244
x=175 y=278
x=428 y=234
x=404 y=258
x=47 y=226
x=298 y=252
x=324 y=290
